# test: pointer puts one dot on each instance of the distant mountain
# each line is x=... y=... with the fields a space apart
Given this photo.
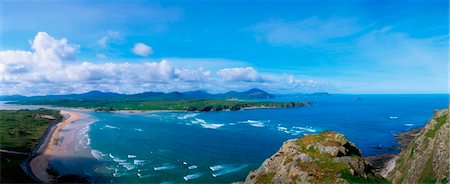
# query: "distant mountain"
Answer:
x=110 y=96
x=250 y=94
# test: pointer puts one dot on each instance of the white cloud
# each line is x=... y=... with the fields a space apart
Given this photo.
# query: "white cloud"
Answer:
x=51 y=68
x=247 y=74
x=142 y=49
x=310 y=32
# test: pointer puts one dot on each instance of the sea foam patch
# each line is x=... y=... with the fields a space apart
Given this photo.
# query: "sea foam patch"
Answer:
x=188 y=116
x=111 y=127
x=204 y=124
x=226 y=169
x=192 y=176
x=165 y=166
x=255 y=123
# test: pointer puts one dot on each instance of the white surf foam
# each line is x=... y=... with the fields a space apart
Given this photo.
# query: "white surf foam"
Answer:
x=118 y=160
x=165 y=166
x=193 y=167
x=409 y=124
x=138 y=129
x=138 y=162
x=280 y=128
x=212 y=126
x=98 y=155
x=307 y=128
x=187 y=116
x=112 y=127
x=393 y=117
x=192 y=176
x=228 y=169
x=128 y=166
x=200 y=121
x=131 y=156
x=216 y=167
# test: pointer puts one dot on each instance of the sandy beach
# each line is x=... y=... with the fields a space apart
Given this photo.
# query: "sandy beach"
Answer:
x=53 y=147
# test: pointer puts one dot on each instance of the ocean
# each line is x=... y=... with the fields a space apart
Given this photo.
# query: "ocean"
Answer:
x=223 y=147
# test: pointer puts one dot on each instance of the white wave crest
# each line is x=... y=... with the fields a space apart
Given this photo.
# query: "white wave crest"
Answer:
x=187 y=116
x=112 y=127
x=228 y=169
x=98 y=155
x=192 y=176
x=165 y=166
x=212 y=126
x=193 y=167
x=216 y=167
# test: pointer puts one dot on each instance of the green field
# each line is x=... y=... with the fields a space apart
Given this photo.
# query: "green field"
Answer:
x=182 y=105
x=21 y=130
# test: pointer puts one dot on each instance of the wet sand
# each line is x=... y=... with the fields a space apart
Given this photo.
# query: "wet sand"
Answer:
x=54 y=146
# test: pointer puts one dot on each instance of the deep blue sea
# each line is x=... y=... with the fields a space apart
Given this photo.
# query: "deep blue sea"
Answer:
x=223 y=147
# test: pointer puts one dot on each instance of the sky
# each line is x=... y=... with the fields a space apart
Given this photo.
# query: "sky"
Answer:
x=354 y=46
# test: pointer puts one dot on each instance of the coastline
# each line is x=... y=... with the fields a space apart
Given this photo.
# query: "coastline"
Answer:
x=384 y=163
x=51 y=146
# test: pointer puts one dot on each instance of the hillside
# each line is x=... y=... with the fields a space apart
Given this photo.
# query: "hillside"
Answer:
x=426 y=159
x=327 y=157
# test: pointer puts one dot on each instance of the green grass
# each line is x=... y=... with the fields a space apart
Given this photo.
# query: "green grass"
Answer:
x=428 y=175
x=21 y=130
x=266 y=178
x=358 y=179
x=182 y=105
x=440 y=123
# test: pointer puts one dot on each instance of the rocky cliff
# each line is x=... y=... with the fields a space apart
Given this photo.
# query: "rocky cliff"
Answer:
x=427 y=158
x=327 y=157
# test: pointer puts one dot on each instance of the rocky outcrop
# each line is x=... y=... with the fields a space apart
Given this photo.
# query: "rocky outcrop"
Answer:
x=427 y=158
x=327 y=157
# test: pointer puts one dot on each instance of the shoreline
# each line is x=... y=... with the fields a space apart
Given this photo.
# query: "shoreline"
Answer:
x=384 y=163
x=40 y=162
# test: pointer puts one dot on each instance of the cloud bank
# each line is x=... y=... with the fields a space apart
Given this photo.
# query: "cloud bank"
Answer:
x=51 y=67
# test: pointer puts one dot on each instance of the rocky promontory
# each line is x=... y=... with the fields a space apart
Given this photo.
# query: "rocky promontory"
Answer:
x=327 y=157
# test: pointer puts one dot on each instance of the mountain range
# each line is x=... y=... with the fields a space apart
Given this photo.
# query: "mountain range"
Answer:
x=110 y=96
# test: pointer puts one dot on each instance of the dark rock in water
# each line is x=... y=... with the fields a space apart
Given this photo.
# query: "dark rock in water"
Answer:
x=405 y=138
x=327 y=157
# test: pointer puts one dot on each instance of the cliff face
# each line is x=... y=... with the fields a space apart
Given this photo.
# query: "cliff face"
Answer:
x=427 y=158
x=327 y=157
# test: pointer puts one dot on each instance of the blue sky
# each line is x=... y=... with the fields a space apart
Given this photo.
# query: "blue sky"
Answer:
x=282 y=47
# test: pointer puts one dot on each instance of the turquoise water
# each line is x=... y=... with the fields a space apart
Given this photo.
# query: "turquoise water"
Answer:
x=222 y=147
